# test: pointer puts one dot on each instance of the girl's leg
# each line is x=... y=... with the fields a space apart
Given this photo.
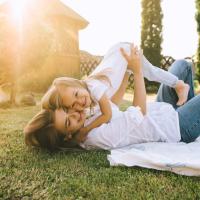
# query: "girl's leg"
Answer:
x=183 y=70
x=114 y=66
x=153 y=73
x=189 y=119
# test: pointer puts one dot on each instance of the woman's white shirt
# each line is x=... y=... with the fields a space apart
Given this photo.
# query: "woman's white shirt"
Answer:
x=160 y=124
x=129 y=127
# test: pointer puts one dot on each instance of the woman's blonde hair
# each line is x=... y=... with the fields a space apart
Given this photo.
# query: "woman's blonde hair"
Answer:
x=52 y=99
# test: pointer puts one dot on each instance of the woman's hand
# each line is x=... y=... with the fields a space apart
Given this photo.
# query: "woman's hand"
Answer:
x=82 y=134
x=135 y=64
x=134 y=59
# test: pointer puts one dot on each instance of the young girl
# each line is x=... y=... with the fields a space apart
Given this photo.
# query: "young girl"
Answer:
x=102 y=84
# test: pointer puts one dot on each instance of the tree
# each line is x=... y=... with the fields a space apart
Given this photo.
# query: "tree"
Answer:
x=198 y=30
x=151 y=35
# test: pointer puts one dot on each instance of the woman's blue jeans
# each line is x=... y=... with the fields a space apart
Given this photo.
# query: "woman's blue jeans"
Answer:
x=189 y=113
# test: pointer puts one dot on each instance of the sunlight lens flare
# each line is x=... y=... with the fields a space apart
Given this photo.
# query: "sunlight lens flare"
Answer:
x=17 y=10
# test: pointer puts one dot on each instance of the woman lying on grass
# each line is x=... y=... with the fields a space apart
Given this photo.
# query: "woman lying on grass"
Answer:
x=159 y=121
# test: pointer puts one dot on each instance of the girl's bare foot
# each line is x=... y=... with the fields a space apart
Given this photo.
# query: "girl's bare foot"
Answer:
x=182 y=90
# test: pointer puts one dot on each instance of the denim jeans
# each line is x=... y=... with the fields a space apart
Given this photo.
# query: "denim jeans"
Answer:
x=189 y=113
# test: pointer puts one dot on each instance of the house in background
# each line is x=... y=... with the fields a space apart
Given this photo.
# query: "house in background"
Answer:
x=40 y=36
x=41 y=33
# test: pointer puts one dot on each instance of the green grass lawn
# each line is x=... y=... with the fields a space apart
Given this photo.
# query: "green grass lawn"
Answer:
x=34 y=174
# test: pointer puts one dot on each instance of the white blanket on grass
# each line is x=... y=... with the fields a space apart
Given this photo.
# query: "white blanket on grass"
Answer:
x=180 y=158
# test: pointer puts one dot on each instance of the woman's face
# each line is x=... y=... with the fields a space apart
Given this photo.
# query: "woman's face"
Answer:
x=74 y=98
x=68 y=123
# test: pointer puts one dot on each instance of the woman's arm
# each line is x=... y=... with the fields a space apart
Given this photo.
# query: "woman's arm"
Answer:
x=135 y=64
x=139 y=98
x=117 y=97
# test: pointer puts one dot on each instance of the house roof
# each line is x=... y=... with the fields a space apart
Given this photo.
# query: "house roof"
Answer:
x=48 y=7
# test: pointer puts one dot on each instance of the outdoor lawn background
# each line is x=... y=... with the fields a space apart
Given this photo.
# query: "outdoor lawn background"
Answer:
x=41 y=42
x=35 y=174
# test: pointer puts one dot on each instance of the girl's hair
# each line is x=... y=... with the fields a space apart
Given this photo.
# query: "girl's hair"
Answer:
x=40 y=132
x=52 y=99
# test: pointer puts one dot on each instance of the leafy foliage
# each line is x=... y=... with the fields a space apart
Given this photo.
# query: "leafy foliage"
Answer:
x=198 y=30
x=151 y=35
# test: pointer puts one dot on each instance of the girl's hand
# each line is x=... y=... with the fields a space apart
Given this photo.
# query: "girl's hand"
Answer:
x=81 y=136
x=134 y=60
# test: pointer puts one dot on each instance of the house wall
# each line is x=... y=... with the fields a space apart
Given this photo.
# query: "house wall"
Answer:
x=64 y=54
